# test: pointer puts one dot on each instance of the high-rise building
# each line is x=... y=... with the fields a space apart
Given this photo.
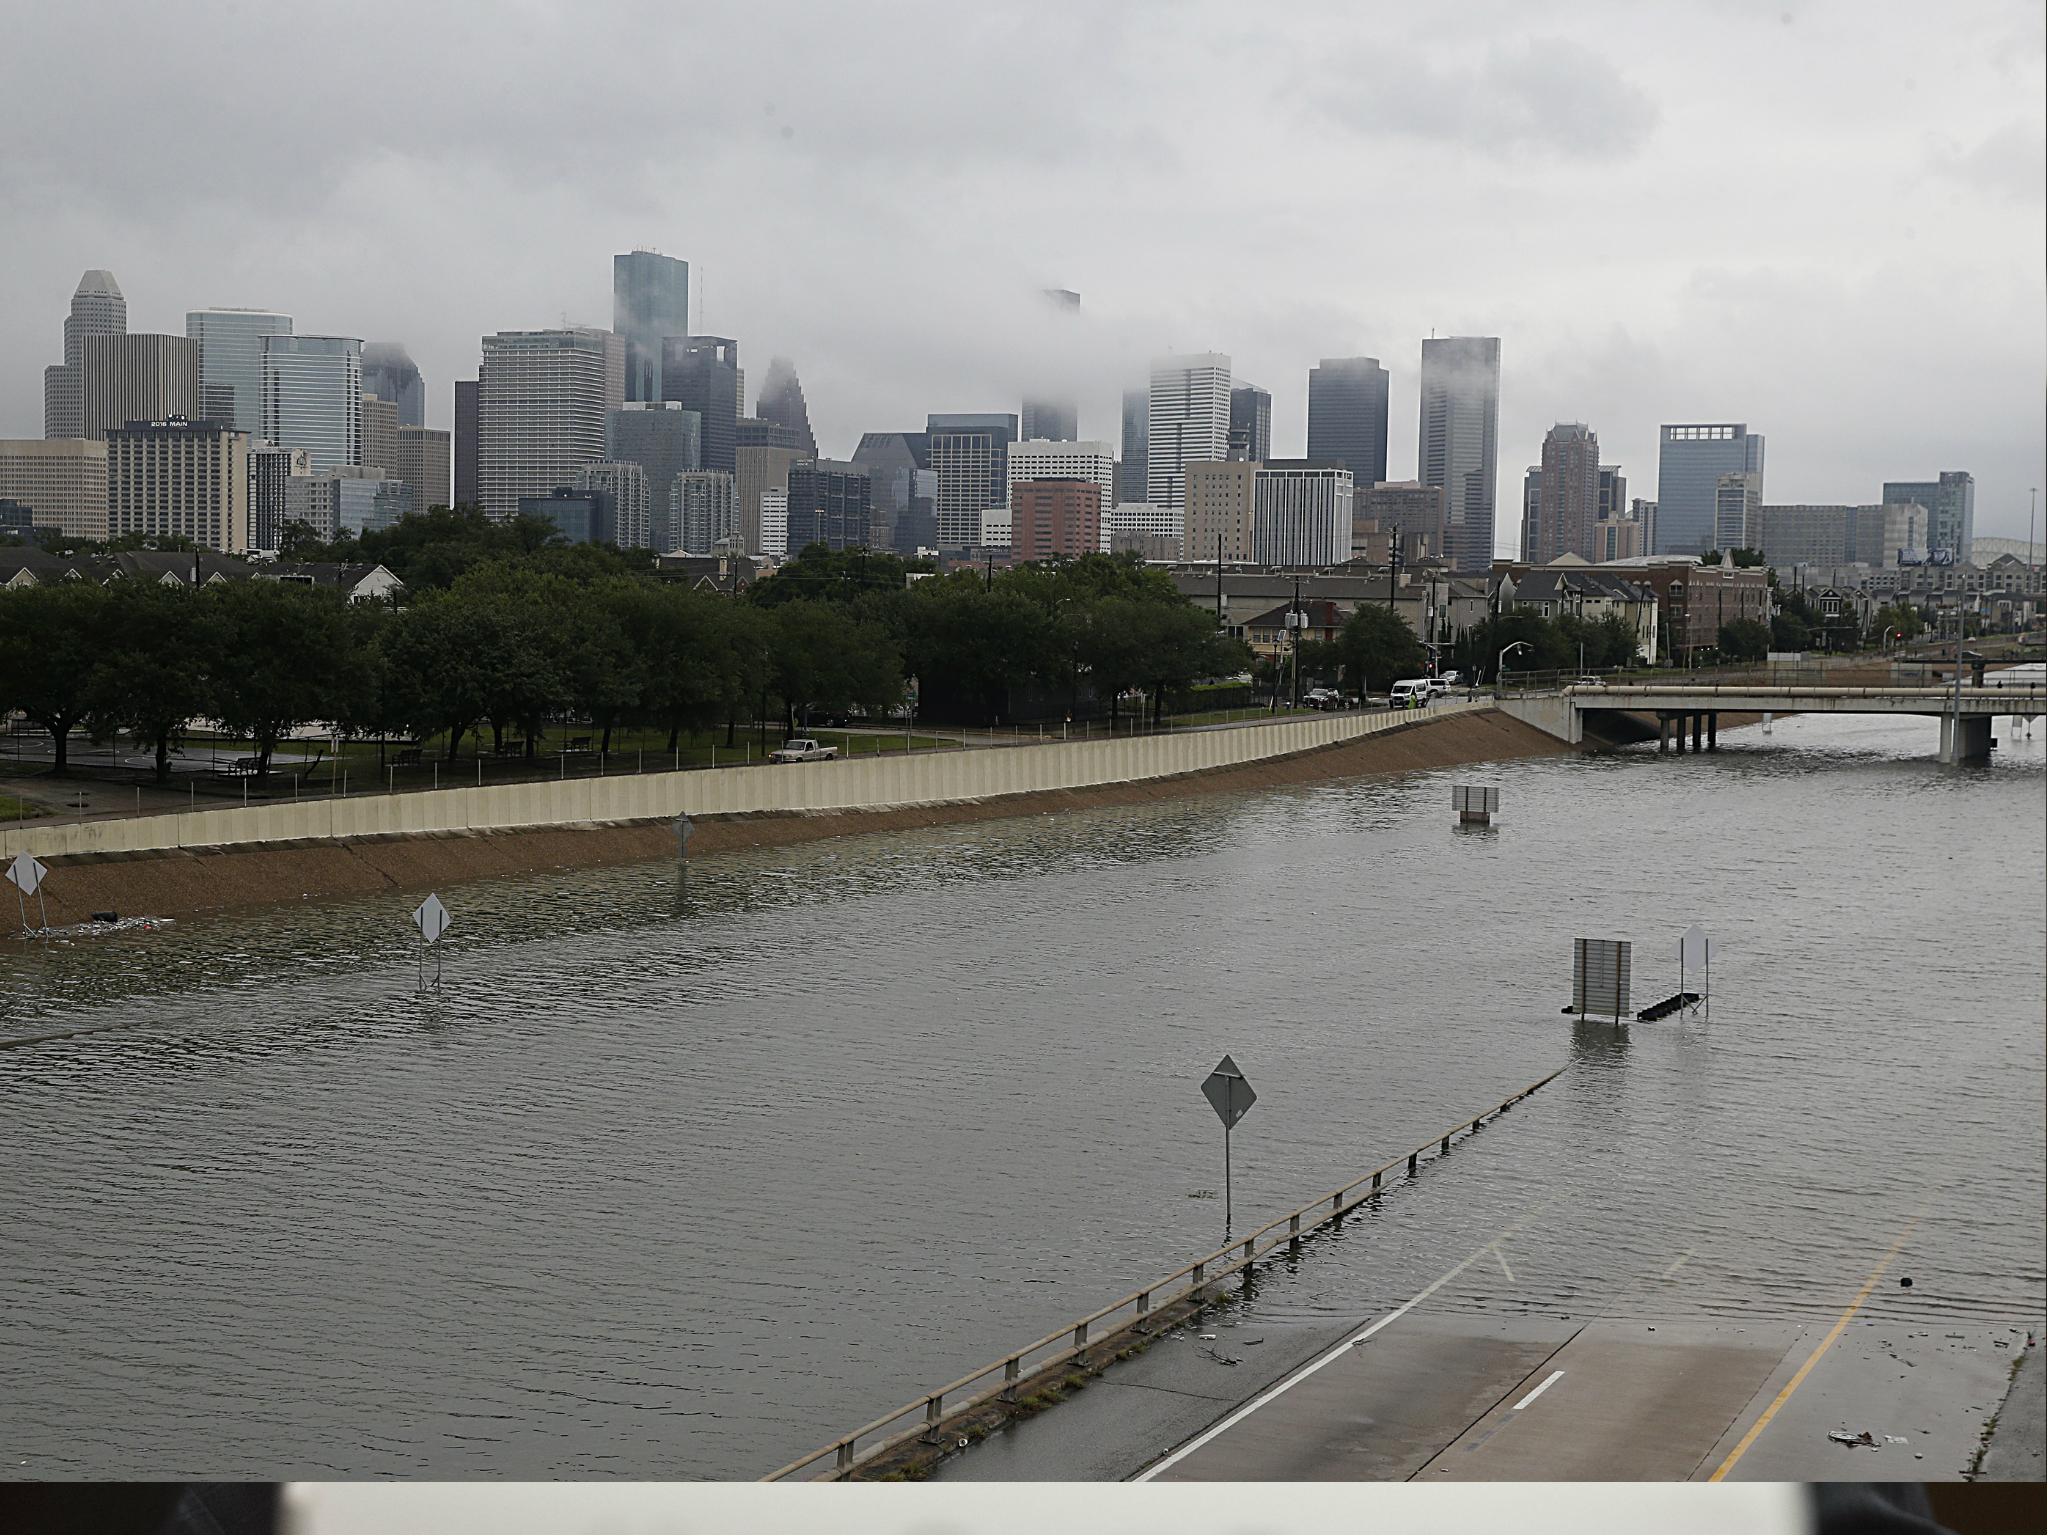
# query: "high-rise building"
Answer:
x=1737 y=500
x=1409 y=505
x=1055 y=518
x=1051 y=415
x=389 y=373
x=704 y=511
x=348 y=500
x=1791 y=535
x=1457 y=441
x=585 y=515
x=1301 y=513
x=312 y=397
x=828 y=503
x=271 y=472
x=759 y=432
x=702 y=374
x=466 y=393
x=180 y=479
x=1347 y=416
x=901 y=487
x=542 y=404
x=1217 y=520
x=970 y=453
x=661 y=437
x=1951 y=503
x=1618 y=538
x=1141 y=529
x=230 y=345
x=422 y=463
x=1187 y=422
x=774 y=525
x=1251 y=424
x=1132 y=474
x=1645 y=513
x=62 y=480
x=1691 y=459
x=782 y=403
x=1570 y=494
x=650 y=304
x=1048 y=460
x=625 y=487
x=759 y=471
x=1613 y=492
x=124 y=378
x=97 y=309
x=380 y=434
x=1532 y=512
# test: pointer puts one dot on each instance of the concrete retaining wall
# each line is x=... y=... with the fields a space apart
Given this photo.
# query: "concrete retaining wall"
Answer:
x=850 y=784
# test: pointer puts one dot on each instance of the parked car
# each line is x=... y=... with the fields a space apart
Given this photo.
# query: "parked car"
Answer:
x=1438 y=687
x=802 y=749
x=1409 y=693
x=1587 y=682
x=1323 y=698
x=1452 y=678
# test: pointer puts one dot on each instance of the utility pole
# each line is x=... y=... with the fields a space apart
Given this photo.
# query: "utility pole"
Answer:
x=1295 y=620
x=1222 y=613
x=1393 y=560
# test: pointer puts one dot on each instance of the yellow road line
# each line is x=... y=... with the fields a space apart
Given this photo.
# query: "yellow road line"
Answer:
x=1813 y=1359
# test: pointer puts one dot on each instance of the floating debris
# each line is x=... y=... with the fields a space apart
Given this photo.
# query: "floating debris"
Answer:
x=101 y=925
x=1843 y=1437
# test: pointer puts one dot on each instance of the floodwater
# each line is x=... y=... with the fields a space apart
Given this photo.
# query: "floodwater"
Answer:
x=668 y=1181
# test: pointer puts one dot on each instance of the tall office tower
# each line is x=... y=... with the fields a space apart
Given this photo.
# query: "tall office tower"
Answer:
x=782 y=402
x=62 y=480
x=380 y=434
x=1090 y=461
x=182 y=479
x=1456 y=442
x=650 y=303
x=900 y=489
x=389 y=373
x=1613 y=493
x=1951 y=503
x=584 y=516
x=661 y=437
x=466 y=393
x=1347 y=416
x=97 y=309
x=702 y=374
x=1051 y=414
x=758 y=432
x=1251 y=424
x=136 y=378
x=344 y=502
x=1002 y=432
x=969 y=451
x=1532 y=512
x=626 y=485
x=1056 y=518
x=1570 y=493
x=1217 y=520
x=1409 y=505
x=1691 y=459
x=828 y=503
x=1617 y=538
x=1141 y=529
x=271 y=471
x=757 y=473
x=704 y=511
x=1187 y=421
x=1132 y=475
x=230 y=345
x=1738 y=500
x=542 y=403
x=313 y=397
x=1645 y=513
x=1301 y=513
x=422 y=463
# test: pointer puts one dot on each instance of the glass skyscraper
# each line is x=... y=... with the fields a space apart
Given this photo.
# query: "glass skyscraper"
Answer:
x=1347 y=416
x=312 y=397
x=1691 y=459
x=1951 y=504
x=1460 y=424
x=650 y=302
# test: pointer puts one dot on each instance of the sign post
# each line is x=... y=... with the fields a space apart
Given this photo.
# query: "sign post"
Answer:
x=1696 y=949
x=27 y=873
x=1230 y=1094
x=432 y=920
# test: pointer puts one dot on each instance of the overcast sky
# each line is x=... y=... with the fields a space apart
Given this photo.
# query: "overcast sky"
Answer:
x=1823 y=219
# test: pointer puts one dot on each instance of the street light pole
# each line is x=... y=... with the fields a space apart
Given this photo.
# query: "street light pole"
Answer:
x=1500 y=667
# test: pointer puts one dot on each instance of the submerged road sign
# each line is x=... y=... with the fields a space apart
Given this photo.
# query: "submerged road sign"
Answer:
x=1230 y=1095
x=27 y=872
x=431 y=918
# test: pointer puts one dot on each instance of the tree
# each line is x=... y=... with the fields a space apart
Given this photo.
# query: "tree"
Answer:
x=151 y=674
x=1745 y=639
x=1178 y=643
x=51 y=638
x=1745 y=558
x=440 y=657
x=282 y=655
x=1378 y=649
x=827 y=575
x=821 y=657
x=1789 y=633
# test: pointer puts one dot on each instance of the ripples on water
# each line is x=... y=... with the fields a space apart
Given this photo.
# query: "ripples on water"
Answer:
x=677 y=1180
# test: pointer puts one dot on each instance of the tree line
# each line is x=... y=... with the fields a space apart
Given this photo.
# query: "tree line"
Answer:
x=504 y=636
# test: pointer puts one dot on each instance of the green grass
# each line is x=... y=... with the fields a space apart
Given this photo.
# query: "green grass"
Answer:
x=14 y=808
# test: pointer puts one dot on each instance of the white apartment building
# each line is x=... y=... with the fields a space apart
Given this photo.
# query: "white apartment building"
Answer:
x=1045 y=459
x=774 y=524
x=230 y=343
x=312 y=397
x=183 y=478
x=1138 y=526
x=1188 y=422
x=997 y=526
x=1301 y=514
x=62 y=480
x=542 y=402
x=703 y=510
x=627 y=484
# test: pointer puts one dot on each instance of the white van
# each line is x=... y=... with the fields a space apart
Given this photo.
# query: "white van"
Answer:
x=1411 y=693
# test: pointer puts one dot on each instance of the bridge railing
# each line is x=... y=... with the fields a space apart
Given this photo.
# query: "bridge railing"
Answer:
x=1001 y=1379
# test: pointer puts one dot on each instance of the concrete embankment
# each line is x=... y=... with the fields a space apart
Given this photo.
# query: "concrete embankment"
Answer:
x=171 y=882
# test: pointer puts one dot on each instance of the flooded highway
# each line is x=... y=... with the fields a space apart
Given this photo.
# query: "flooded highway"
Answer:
x=679 y=1177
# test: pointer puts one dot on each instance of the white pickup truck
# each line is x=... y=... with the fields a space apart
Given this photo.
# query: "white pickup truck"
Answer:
x=801 y=749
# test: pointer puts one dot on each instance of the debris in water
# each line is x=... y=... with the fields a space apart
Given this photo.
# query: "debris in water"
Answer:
x=1208 y=1335
x=1843 y=1437
x=1905 y=1282
x=1259 y=1340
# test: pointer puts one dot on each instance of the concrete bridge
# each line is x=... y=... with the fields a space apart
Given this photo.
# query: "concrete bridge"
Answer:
x=1616 y=713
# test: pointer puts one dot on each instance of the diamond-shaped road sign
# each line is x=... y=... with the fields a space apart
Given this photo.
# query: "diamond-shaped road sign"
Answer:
x=27 y=872
x=431 y=918
x=1228 y=1091
x=684 y=827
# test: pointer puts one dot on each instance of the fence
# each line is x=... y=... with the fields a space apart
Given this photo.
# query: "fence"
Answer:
x=1070 y=1341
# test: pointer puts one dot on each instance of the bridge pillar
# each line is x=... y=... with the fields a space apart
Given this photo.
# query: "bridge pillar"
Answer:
x=1663 y=733
x=1975 y=743
x=1713 y=730
x=1696 y=732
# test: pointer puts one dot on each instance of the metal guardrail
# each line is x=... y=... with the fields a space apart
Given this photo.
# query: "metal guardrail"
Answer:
x=1074 y=1338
